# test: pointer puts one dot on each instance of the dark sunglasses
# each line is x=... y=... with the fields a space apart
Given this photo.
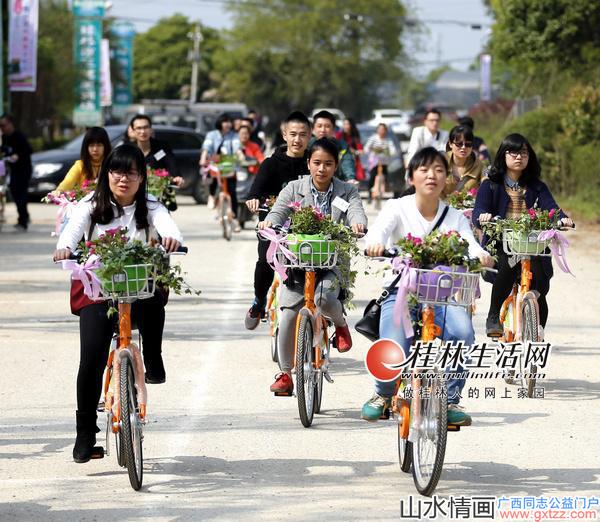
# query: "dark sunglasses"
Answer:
x=465 y=144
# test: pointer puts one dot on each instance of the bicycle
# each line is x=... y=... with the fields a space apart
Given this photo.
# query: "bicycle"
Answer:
x=519 y=314
x=423 y=421
x=272 y=314
x=313 y=342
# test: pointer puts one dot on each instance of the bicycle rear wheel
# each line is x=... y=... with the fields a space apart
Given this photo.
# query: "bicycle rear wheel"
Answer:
x=404 y=445
x=131 y=426
x=226 y=219
x=319 y=376
x=305 y=372
x=274 y=345
x=530 y=334
x=429 y=432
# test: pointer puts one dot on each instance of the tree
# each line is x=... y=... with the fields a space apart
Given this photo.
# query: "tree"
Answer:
x=161 y=67
x=282 y=54
x=54 y=98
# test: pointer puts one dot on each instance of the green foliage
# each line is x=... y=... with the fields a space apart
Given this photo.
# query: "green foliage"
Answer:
x=161 y=65
x=283 y=54
x=581 y=114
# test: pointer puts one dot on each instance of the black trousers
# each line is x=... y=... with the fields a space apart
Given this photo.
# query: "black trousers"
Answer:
x=507 y=276
x=373 y=175
x=18 y=190
x=231 y=187
x=263 y=273
x=95 y=333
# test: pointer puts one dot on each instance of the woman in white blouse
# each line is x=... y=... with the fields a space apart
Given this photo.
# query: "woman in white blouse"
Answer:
x=417 y=214
x=120 y=200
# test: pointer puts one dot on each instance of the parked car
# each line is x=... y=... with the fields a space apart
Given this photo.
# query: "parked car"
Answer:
x=398 y=121
x=395 y=180
x=51 y=166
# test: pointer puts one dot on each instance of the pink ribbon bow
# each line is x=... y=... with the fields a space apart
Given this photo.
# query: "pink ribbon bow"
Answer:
x=278 y=242
x=63 y=204
x=86 y=274
x=407 y=283
x=558 y=246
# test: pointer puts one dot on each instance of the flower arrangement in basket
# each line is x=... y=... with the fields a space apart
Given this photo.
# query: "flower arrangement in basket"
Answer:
x=65 y=200
x=159 y=185
x=112 y=254
x=463 y=200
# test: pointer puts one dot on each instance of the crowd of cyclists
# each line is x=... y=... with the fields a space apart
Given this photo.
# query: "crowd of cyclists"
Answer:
x=320 y=166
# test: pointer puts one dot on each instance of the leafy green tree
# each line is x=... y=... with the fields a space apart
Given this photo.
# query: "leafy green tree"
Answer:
x=283 y=54
x=54 y=99
x=161 y=67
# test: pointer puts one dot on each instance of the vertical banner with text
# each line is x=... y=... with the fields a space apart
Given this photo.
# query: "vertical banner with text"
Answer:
x=485 y=79
x=22 y=44
x=105 y=80
x=124 y=33
x=88 y=37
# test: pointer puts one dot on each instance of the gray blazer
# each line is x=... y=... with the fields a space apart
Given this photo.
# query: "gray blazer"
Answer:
x=299 y=190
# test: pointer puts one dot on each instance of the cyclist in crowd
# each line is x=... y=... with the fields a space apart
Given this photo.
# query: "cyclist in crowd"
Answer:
x=427 y=135
x=381 y=150
x=120 y=200
x=257 y=133
x=464 y=168
x=288 y=163
x=417 y=214
x=323 y=191
x=513 y=187
x=479 y=146
x=351 y=136
x=158 y=154
x=222 y=141
x=249 y=149
x=324 y=127
x=94 y=148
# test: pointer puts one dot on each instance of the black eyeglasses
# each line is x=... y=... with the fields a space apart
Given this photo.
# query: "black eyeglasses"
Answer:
x=522 y=153
x=465 y=144
x=130 y=176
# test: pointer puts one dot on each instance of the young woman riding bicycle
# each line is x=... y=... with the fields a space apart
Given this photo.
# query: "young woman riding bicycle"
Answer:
x=417 y=214
x=333 y=198
x=512 y=188
x=120 y=200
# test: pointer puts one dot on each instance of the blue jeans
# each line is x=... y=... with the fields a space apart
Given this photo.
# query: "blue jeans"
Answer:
x=457 y=327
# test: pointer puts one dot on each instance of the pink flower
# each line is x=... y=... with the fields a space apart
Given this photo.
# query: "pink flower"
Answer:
x=417 y=241
x=161 y=173
x=532 y=213
x=113 y=231
x=88 y=244
x=472 y=192
x=551 y=213
x=318 y=214
x=409 y=236
x=295 y=205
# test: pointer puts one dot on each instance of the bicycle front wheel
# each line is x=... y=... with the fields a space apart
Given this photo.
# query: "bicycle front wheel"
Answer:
x=131 y=426
x=305 y=372
x=274 y=345
x=429 y=431
x=405 y=447
x=226 y=219
x=530 y=334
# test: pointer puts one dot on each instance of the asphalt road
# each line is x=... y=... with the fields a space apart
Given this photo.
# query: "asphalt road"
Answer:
x=219 y=446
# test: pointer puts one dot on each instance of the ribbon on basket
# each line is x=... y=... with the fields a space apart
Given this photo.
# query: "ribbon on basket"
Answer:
x=278 y=242
x=407 y=283
x=558 y=246
x=86 y=274
x=63 y=205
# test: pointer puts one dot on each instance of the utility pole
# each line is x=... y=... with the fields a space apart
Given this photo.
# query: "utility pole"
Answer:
x=194 y=57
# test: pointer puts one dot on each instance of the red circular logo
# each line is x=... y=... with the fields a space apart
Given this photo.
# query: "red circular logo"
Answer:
x=383 y=360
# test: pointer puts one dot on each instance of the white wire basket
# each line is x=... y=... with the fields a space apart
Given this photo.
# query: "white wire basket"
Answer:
x=446 y=285
x=311 y=252
x=517 y=243
x=135 y=282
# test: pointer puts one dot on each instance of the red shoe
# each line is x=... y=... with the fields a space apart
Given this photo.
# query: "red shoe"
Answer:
x=283 y=384
x=344 y=339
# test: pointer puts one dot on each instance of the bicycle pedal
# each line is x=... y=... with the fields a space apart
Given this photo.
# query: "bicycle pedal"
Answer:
x=100 y=407
x=453 y=427
x=283 y=394
x=97 y=452
x=386 y=414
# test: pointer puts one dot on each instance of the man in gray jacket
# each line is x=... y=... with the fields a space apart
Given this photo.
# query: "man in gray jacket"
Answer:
x=342 y=202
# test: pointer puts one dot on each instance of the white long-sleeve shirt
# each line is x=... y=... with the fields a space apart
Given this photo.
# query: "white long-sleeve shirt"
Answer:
x=78 y=226
x=401 y=216
x=421 y=138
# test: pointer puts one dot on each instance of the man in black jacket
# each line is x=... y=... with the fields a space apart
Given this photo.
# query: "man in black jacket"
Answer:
x=288 y=163
x=17 y=151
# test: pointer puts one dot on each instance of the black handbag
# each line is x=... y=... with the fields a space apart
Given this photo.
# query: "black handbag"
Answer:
x=368 y=324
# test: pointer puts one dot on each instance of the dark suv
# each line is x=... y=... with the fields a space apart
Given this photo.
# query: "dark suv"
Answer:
x=51 y=166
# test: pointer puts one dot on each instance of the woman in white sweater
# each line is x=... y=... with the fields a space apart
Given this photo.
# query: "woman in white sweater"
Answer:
x=120 y=200
x=417 y=214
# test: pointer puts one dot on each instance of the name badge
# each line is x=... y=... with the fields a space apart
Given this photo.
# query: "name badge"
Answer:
x=341 y=204
x=160 y=155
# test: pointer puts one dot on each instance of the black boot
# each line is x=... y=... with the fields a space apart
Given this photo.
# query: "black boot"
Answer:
x=493 y=327
x=85 y=444
x=155 y=369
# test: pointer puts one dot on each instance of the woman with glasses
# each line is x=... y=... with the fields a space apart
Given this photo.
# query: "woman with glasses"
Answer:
x=120 y=201
x=464 y=168
x=512 y=188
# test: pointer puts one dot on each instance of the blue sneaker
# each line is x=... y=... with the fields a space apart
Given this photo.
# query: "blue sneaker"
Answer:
x=373 y=409
x=457 y=416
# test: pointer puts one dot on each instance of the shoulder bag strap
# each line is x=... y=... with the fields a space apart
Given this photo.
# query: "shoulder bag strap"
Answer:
x=439 y=221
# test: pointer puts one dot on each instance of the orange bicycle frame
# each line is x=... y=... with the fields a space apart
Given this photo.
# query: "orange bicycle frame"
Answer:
x=516 y=298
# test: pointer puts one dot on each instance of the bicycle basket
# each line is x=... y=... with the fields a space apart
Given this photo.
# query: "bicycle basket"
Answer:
x=311 y=250
x=135 y=282
x=446 y=285
x=524 y=243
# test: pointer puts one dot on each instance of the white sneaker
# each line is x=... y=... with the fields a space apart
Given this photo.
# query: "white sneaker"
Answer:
x=211 y=203
x=236 y=226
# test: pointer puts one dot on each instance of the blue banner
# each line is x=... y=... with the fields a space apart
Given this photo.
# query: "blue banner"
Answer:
x=89 y=8
x=124 y=34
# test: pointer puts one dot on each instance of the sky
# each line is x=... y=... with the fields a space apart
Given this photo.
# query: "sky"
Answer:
x=441 y=41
